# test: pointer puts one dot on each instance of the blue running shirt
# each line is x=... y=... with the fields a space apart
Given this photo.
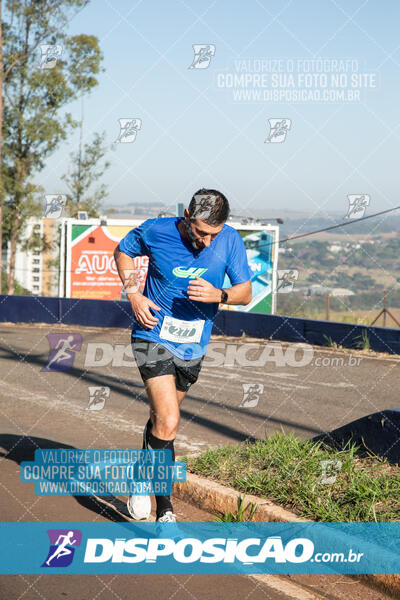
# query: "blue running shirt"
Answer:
x=184 y=326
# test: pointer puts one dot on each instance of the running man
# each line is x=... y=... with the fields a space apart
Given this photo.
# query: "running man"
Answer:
x=188 y=259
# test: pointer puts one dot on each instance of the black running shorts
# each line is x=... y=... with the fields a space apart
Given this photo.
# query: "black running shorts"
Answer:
x=153 y=360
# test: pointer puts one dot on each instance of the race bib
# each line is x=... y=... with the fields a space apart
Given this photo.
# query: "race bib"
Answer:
x=181 y=332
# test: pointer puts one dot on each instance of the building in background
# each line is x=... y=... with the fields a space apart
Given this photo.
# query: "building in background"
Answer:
x=37 y=271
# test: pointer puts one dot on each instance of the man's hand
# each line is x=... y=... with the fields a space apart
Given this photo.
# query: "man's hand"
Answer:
x=203 y=291
x=141 y=309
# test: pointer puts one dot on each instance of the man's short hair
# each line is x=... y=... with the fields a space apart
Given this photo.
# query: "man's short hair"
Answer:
x=210 y=206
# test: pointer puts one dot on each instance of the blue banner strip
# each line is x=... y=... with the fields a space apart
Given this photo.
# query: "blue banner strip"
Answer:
x=204 y=548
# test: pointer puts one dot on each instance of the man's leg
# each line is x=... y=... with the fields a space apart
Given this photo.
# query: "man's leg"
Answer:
x=166 y=381
x=179 y=396
x=161 y=430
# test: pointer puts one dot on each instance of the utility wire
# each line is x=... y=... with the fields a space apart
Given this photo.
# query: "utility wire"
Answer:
x=302 y=235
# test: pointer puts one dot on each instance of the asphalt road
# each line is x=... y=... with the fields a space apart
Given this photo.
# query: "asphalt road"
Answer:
x=40 y=408
x=325 y=393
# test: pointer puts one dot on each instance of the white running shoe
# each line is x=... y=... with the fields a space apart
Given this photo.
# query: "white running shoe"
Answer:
x=139 y=507
x=167 y=517
x=166 y=526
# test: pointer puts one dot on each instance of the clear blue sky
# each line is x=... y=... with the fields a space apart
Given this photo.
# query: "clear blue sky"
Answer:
x=195 y=134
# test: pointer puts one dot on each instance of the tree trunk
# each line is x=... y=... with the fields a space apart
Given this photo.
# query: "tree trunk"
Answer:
x=1 y=146
x=20 y=176
x=11 y=266
x=1 y=243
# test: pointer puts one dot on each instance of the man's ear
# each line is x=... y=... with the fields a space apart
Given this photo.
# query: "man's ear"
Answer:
x=186 y=214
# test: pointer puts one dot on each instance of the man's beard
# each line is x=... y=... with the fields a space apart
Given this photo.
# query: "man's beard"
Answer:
x=192 y=238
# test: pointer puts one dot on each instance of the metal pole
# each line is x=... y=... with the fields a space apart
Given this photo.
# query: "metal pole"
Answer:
x=328 y=305
x=384 y=309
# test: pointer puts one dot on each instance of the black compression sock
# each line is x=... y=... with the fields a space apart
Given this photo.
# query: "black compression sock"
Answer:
x=146 y=432
x=155 y=443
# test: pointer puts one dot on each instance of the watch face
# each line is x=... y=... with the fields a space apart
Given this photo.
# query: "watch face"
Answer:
x=224 y=297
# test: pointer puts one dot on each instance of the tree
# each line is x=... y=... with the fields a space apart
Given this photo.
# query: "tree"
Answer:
x=87 y=168
x=46 y=17
x=32 y=127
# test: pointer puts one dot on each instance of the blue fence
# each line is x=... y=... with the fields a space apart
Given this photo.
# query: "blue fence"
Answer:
x=105 y=313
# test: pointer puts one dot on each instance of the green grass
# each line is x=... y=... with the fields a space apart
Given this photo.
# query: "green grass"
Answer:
x=329 y=341
x=363 y=343
x=243 y=513
x=288 y=471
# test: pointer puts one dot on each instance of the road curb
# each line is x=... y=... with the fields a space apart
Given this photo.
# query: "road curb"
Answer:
x=216 y=498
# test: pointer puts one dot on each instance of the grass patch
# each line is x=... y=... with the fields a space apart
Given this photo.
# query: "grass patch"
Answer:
x=363 y=343
x=243 y=513
x=288 y=471
x=329 y=341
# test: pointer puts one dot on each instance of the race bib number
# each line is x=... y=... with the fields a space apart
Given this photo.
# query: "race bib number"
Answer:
x=181 y=332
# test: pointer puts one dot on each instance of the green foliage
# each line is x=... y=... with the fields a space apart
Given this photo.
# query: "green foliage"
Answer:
x=19 y=289
x=287 y=470
x=240 y=515
x=364 y=342
x=86 y=168
x=329 y=341
x=33 y=127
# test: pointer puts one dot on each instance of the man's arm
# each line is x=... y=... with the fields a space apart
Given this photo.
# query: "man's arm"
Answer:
x=240 y=293
x=140 y=304
x=201 y=290
x=126 y=271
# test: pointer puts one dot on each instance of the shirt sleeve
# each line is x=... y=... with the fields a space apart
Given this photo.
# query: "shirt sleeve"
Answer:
x=238 y=269
x=134 y=243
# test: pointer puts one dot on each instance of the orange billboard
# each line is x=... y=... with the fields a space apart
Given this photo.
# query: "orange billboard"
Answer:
x=91 y=271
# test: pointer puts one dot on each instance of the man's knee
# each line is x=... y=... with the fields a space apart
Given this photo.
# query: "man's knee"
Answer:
x=166 y=426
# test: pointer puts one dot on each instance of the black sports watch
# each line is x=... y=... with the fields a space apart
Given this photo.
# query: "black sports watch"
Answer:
x=224 y=297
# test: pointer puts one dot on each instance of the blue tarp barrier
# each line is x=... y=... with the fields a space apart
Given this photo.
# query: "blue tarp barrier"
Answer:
x=106 y=313
x=377 y=433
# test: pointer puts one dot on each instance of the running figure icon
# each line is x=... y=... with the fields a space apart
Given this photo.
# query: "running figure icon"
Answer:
x=63 y=346
x=62 y=351
x=62 y=549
